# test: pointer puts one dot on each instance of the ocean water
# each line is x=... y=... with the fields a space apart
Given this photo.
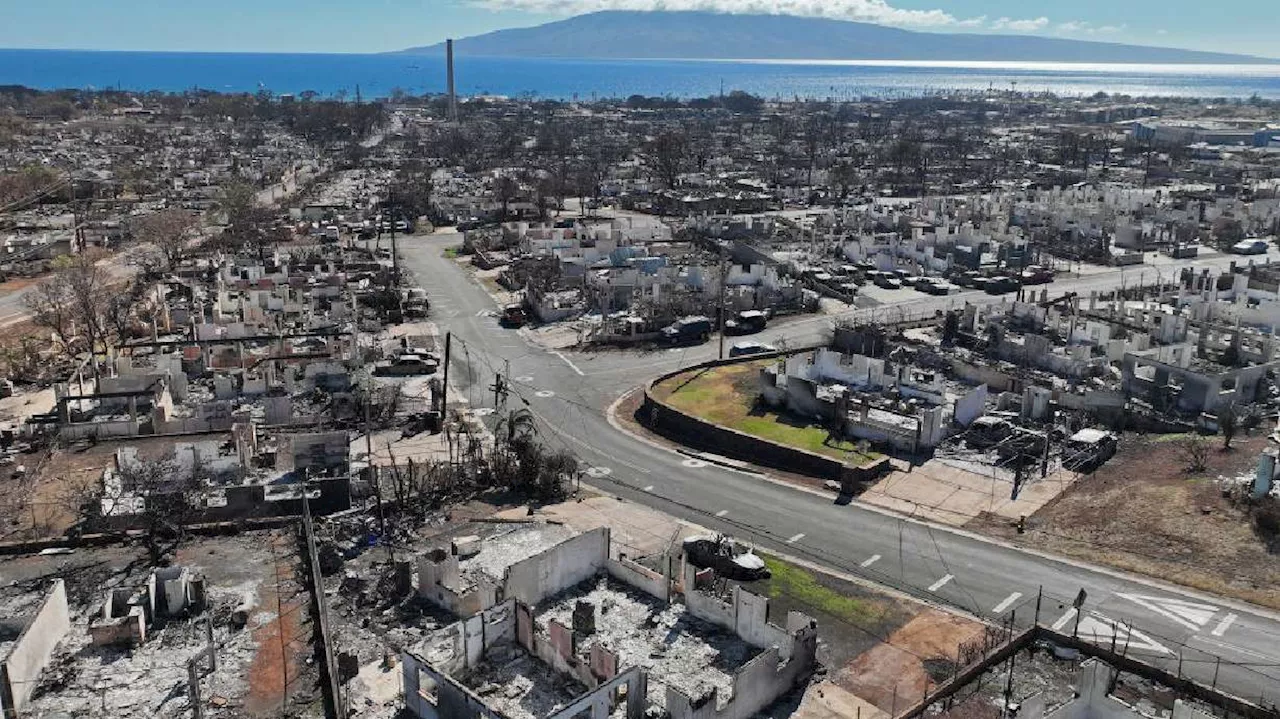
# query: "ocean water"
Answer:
x=378 y=75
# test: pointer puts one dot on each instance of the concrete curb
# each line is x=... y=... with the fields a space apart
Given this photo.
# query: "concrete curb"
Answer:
x=1231 y=603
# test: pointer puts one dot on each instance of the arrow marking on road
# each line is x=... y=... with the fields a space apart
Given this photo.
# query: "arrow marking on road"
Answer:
x=1191 y=615
x=648 y=488
x=722 y=512
x=796 y=538
x=1223 y=625
x=871 y=560
x=1101 y=631
x=1008 y=602
x=941 y=582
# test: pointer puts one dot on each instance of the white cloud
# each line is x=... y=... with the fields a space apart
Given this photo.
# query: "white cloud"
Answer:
x=875 y=11
x=1030 y=25
x=1076 y=27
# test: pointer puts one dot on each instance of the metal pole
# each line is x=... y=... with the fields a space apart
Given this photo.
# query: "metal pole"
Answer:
x=373 y=477
x=1008 y=687
x=724 y=288
x=444 y=388
x=1039 y=597
x=213 y=654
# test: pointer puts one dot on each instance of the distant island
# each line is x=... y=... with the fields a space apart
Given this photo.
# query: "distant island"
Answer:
x=704 y=35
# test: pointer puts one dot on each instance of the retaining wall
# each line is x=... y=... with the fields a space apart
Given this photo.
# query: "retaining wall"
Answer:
x=696 y=432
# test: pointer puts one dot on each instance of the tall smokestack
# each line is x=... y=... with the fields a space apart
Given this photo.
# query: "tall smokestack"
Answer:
x=453 y=96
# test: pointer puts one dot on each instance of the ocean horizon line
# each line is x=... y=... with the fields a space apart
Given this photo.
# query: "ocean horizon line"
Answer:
x=1264 y=64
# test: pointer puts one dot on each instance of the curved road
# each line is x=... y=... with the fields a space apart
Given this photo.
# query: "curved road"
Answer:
x=571 y=391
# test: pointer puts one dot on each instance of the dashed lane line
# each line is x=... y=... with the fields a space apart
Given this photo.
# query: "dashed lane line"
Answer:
x=1008 y=602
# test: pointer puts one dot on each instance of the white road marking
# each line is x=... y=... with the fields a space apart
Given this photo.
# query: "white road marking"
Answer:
x=1062 y=620
x=1103 y=631
x=1233 y=648
x=1192 y=615
x=598 y=472
x=524 y=378
x=796 y=538
x=569 y=362
x=941 y=582
x=871 y=560
x=1223 y=625
x=1008 y=602
x=544 y=393
x=648 y=488
x=694 y=463
x=589 y=447
x=722 y=512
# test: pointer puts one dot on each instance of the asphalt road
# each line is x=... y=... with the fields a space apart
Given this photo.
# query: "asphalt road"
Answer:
x=1168 y=625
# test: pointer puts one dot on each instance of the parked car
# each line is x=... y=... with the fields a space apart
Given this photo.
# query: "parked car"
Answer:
x=513 y=316
x=1036 y=275
x=1250 y=247
x=746 y=322
x=1001 y=284
x=687 y=330
x=935 y=286
x=408 y=365
x=740 y=349
x=1088 y=449
x=887 y=280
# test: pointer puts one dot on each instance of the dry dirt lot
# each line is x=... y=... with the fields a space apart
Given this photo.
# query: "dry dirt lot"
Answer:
x=1144 y=512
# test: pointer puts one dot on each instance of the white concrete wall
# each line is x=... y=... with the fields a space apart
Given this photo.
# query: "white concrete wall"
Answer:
x=30 y=654
x=559 y=568
x=639 y=577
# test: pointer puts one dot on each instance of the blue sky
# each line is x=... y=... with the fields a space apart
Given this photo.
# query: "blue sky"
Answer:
x=1245 y=26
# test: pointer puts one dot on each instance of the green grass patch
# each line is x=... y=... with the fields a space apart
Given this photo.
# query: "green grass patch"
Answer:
x=451 y=252
x=802 y=586
x=1177 y=437
x=726 y=395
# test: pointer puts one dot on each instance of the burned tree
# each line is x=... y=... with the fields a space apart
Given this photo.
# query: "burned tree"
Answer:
x=73 y=302
x=166 y=230
x=666 y=155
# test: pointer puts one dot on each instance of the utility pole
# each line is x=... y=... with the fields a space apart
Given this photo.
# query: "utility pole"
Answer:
x=444 y=384
x=724 y=288
x=373 y=477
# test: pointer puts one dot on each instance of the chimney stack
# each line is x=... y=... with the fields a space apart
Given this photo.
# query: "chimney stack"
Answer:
x=453 y=96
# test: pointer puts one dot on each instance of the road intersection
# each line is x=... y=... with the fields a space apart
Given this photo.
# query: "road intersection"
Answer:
x=1233 y=645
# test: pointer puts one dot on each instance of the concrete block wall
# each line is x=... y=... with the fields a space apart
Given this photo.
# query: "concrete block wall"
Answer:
x=598 y=704
x=640 y=577
x=760 y=682
x=31 y=652
x=563 y=566
x=433 y=694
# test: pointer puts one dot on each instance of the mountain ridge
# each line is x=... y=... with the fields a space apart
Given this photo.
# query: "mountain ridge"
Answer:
x=617 y=34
